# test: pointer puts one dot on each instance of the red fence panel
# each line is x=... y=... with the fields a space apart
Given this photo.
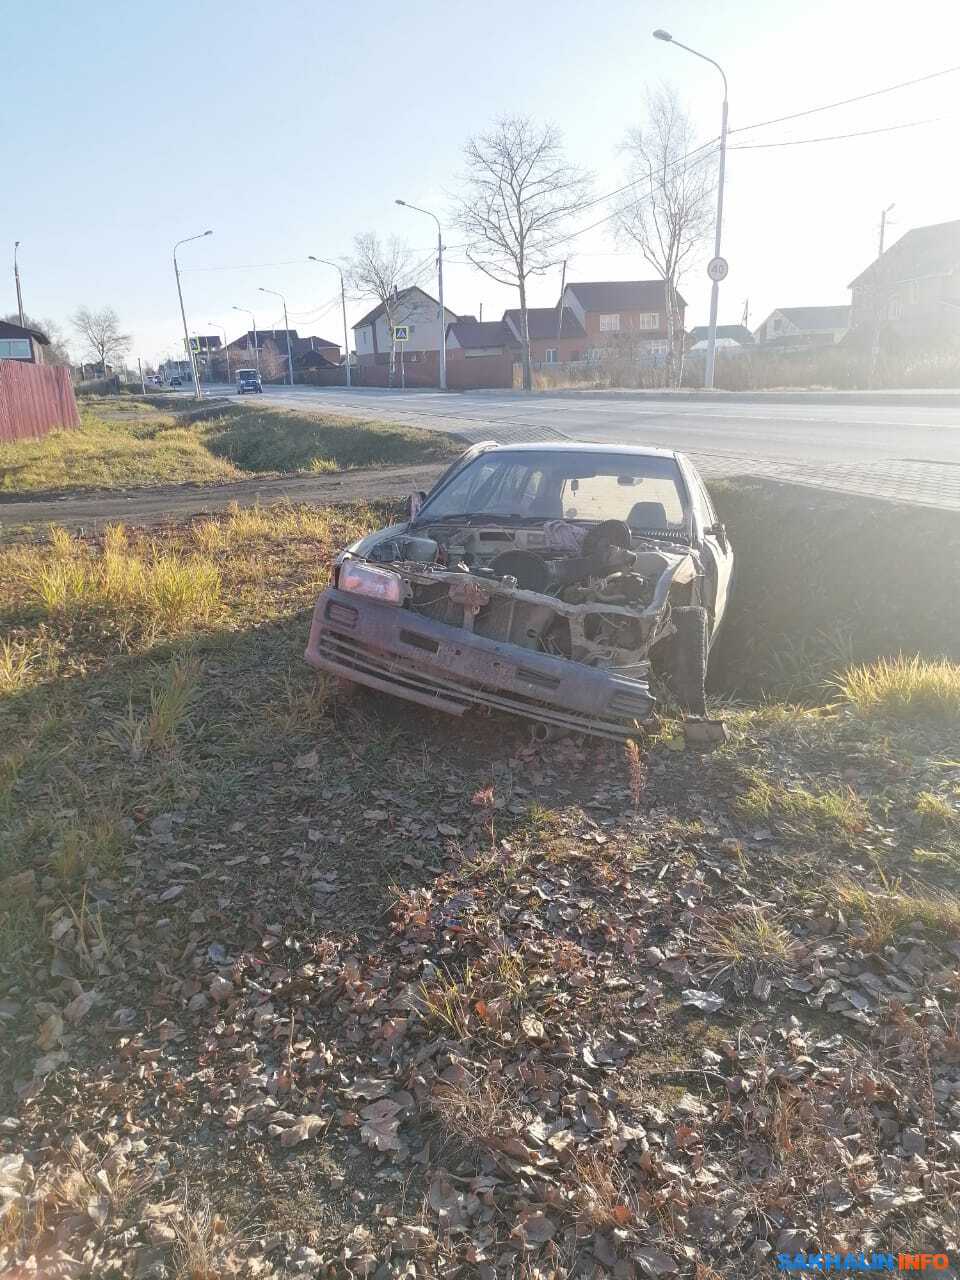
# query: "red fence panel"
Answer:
x=35 y=399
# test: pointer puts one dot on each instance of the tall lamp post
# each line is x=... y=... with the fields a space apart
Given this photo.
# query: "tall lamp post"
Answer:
x=183 y=314
x=343 y=303
x=286 y=329
x=256 y=340
x=222 y=328
x=443 y=314
x=16 y=276
x=717 y=268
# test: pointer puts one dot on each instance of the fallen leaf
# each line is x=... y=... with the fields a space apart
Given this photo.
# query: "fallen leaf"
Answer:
x=301 y=1130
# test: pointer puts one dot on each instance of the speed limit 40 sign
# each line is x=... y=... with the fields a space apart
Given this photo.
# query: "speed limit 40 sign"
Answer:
x=717 y=269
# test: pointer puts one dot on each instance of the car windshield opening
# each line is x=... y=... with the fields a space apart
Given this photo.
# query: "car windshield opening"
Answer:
x=646 y=492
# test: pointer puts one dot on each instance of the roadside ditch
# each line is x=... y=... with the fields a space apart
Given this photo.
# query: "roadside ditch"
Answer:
x=826 y=579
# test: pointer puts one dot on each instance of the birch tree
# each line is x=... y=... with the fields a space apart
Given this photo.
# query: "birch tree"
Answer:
x=668 y=210
x=519 y=195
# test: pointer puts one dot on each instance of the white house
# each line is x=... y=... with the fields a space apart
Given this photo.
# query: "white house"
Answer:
x=412 y=307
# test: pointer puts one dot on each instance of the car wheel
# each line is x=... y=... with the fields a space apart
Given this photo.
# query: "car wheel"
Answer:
x=684 y=663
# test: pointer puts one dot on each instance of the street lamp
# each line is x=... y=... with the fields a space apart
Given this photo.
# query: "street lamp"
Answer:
x=16 y=276
x=256 y=341
x=183 y=314
x=717 y=268
x=286 y=329
x=226 y=350
x=343 y=303
x=443 y=314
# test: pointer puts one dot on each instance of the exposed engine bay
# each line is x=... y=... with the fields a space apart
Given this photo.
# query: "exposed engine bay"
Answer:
x=598 y=594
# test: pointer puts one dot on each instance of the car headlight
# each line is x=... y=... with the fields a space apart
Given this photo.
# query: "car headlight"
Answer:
x=364 y=580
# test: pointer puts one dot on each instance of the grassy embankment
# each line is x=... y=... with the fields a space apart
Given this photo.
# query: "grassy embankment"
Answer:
x=288 y=981
x=127 y=444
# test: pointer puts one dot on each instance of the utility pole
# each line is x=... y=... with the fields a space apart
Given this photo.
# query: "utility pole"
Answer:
x=286 y=329
x=883 y=224
x=745 y=320
x=443 y=314
x=16 y=276
x=343 y=308
x=143 y=385
x=717 y=268
x=563 y=285
x=481 y=313
x=183 y=314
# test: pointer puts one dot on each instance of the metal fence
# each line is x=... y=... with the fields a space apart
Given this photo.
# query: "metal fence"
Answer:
x=35 y=399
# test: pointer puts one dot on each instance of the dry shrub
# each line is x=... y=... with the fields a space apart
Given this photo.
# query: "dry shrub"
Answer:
x=903 y=687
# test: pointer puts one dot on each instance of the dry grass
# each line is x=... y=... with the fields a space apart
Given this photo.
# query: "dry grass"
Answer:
x=751 y=938
x=936 y=813
x=891 y=910
x=68 y=581
x=168 y=715
x=838 y=811
x=903 y=687
x=476 y=1110
x=131 y=445
x=604 y=1199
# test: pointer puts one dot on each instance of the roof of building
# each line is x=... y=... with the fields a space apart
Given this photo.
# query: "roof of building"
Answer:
x=402 y=294
x=490 y=333
x=8 y=330
x=815 y=317
x=314 y=343
x=737 y=332
x=542 y=322
x=207 y=341
x=620 y=295
x=923 y=251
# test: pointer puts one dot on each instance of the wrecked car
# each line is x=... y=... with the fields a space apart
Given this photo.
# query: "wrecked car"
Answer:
x=545 y=580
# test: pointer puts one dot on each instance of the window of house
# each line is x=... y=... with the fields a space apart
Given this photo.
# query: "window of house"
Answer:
x=609 y=324
x=648 y=320
x=896 y=309
x=550 y=355
x=913 y=294
x=15 y=349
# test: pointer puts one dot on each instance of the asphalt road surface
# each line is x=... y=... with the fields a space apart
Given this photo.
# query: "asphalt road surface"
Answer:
x=903 y=452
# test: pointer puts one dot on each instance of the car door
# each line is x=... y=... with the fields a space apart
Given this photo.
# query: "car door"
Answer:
x=717 y=552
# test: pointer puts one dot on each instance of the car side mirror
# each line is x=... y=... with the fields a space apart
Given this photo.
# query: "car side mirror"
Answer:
x=718 y=531
x=414 y=503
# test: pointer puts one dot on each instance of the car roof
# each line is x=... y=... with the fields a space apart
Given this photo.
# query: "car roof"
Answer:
x=583 y=446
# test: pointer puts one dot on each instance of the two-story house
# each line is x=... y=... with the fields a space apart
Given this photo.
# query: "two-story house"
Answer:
x=803 y=327
x=622 y=316
x=912 y=291
x=412 y=307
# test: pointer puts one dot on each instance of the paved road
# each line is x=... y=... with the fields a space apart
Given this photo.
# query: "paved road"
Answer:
x=908 y=453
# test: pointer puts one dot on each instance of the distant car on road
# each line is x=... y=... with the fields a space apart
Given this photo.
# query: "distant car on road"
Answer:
x=176 y=382
x=248 y=380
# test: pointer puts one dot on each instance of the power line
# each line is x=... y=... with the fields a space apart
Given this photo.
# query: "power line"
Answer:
x=845 y=102
x=836 y=137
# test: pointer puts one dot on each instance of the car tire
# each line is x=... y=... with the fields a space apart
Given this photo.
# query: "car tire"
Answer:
x=684 y=662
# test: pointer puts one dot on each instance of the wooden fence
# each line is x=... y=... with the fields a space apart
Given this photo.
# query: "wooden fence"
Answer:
x=35 y=399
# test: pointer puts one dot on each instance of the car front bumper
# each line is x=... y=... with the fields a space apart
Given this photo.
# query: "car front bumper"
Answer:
x=403 y=653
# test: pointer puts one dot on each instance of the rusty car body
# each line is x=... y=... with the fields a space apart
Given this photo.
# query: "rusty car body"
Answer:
x=545 y=580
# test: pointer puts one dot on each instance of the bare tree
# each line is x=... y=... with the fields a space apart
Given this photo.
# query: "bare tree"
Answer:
x=100 y=330
x=519 y=194
x=381 y=270
x=668 y=208
x=56 y=353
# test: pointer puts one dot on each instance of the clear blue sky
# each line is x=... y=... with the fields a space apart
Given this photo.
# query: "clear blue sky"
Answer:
x=289 y=126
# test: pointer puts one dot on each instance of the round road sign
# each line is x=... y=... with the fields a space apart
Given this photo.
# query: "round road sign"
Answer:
x=717 y=269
